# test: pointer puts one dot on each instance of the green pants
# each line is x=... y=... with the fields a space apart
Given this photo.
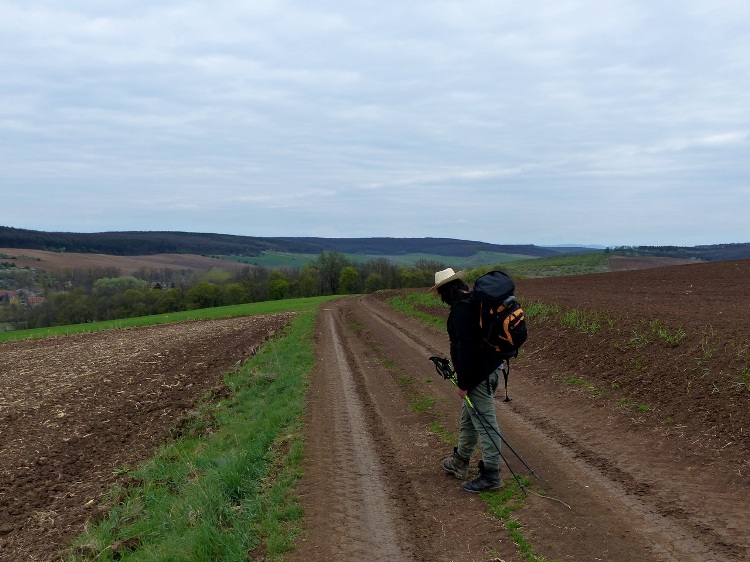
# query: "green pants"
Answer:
x=482 y=429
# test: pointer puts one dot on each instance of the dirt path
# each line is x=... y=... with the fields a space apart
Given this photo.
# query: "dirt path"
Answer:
x=351 y=493
x=374 y=488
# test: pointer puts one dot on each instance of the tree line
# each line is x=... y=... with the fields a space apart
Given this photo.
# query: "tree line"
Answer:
x=74 y=296
x=714 y=252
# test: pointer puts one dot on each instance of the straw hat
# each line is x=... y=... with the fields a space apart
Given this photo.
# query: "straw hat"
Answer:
x=446 y=276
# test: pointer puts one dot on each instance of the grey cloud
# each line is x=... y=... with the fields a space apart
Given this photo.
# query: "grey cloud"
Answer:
x=271 y=118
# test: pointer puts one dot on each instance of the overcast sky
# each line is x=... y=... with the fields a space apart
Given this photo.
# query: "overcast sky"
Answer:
x=588 y=122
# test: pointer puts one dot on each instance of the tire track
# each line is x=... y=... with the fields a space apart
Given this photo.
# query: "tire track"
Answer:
x=357 y=502
x=370 y=521
x=412 y=340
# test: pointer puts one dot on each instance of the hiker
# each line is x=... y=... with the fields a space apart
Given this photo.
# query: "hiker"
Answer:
x=478 y=374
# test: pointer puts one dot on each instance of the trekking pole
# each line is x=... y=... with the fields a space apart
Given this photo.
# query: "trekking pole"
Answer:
x=445 y=370
x=501 y=437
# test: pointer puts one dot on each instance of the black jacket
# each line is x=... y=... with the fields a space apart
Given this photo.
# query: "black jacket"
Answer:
x=472 y=360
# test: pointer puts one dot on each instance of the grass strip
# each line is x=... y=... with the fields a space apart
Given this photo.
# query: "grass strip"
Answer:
x=249 y=309
x=223 y=488
x=502 y=504
x=412 y=304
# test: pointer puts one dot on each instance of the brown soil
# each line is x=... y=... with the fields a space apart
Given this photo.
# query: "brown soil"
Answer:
x=40 y=259
x=73 y=409
x=625 y=263
x=640 y=443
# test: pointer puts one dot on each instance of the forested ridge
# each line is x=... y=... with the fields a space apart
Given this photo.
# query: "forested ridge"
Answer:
x=147 y=243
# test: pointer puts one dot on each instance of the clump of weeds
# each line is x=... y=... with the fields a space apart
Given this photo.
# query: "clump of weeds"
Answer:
x=745 y=378
x=405 y=381
x=540 y=312
x=583 y=383
x=708 y=346
x=423 y=403
x=663 y=333
x=585 y=321
x=502 y=504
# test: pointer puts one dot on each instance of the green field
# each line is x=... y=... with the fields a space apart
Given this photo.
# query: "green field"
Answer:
x=266 y=307
x=557 y=266
x=286 y=259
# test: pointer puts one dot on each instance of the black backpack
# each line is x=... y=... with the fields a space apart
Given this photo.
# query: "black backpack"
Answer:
x=501 y=319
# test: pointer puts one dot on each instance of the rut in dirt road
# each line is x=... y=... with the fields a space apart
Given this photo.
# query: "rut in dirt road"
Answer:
x=366 y=515
x=358 y=506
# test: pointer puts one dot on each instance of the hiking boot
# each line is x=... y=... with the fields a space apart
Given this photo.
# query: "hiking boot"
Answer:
x=456 y=465
x=488 y=479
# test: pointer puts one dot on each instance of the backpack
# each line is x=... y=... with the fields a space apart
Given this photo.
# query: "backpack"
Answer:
x=502 y=321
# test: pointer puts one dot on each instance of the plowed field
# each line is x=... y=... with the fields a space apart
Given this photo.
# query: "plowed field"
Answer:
x=73 y=409
x=128 y=265
x=635 y=415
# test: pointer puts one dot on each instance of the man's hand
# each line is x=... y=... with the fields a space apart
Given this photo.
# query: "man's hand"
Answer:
x=461 y=392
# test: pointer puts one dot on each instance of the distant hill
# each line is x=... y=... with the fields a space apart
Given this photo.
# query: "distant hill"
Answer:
x=149 y=243
x=143 y=243
x=439 y=246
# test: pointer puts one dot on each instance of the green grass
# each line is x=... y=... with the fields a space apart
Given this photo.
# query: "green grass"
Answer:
x=250 y=309
x=405 y=381
x=502 y=504
x=423 y=403
x=574 y=264
x=222 y=489
x=540 y=312
x=629 y=403
x=586 y=321
x=708 y=348
x=576 y=381
x=663 y=333
x=596 y=392
x=745 y=378
x=18 y=257
x=410 y=304
x=638 y=364
x=655 y=331
x=581 y=320
x=447 y=437
x=416 y=304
